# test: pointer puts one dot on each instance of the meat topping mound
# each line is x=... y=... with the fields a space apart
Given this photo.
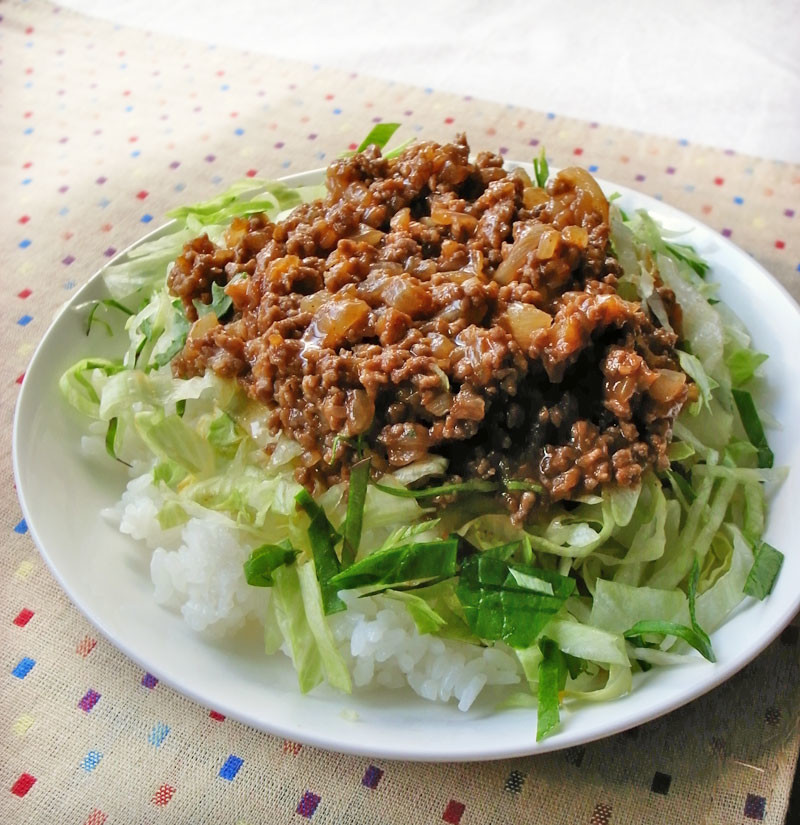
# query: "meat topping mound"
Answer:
x=431 y=304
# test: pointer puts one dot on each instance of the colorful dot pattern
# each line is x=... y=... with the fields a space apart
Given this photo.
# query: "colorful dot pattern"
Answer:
x=105 y=129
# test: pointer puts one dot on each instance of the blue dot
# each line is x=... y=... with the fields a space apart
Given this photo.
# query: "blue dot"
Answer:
x=29 y=84
x=91 y=761
x=216 y=179
x=135 y=153
x=224 y=87
x=593 y=168
x=428 y=91
x=64 y=210
x=551 y=115
x=24 y=244
x=738 y=200
x=238 y=131
x=129 y=108
x=146 y=218
x=25 y=320
x=337 y=111
x=26 y=181
x=29 y=44
x=103 y=203
x=23 y=667
x=286 y=164
x=28 y=131
x=683 y=142
x=231 y=767
x=315 y=67
x=158 y=733
x=179 y=187
x=689 y=187
x=21 y=528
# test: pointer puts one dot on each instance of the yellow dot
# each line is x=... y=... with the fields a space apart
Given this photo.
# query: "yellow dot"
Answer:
x=24 y=570
x=759 y=223
x=22 y=724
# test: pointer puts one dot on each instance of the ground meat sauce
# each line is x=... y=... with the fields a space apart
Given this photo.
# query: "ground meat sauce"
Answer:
x=435 y=305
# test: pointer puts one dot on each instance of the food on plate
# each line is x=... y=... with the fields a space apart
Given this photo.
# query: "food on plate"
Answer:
x=437 y=423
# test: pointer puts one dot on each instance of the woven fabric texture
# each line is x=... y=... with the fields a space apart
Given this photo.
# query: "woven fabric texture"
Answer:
x=104 y=129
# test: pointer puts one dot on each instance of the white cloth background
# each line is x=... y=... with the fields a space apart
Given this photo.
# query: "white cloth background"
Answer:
x=722 y=73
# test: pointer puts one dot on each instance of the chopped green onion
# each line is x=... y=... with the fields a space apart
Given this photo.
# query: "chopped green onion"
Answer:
x=673 y=629
x=764 y=571
x=322 y=537
x=552 y=678
x=356 y=496
x=496 y=606
x=753 y=426
x=379 y=136
x=541 y=169
x=397 y=565
x=531 y=486
x=111 y=437
x=476 y=485
x=221 y=302
x=264 y=560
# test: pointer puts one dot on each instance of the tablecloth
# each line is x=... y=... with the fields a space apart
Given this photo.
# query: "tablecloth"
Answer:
x=103 y=129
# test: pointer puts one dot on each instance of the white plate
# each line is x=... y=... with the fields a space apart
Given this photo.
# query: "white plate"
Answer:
x=107 y=575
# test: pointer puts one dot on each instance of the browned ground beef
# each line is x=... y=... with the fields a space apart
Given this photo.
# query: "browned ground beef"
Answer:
x=431 y=304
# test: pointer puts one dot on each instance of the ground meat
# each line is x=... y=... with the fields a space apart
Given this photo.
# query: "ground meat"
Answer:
x=433 y=304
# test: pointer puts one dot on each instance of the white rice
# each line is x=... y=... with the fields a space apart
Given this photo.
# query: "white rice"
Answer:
x=197 y=568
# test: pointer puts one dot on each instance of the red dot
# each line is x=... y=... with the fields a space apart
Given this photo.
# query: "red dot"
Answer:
x=24 y=219
x=217 y=717
x=27 y=114
x=352 y=147
x=24 y=294
x=24 y=616
x=234 y=114
x=29 y=30
x=133 y=139
x=27 y=164
x=126 y=93
x=779 y=244
x=28 y=71
x=20 y=378
x=251 y=173
x=329 y=97
x=23 y=784
x=577 y=151
x=719 y=181
x=142 y=195
x=453 y=812
x=448 y=120
x=106 y=227
x=491 y=131
x=220 y=73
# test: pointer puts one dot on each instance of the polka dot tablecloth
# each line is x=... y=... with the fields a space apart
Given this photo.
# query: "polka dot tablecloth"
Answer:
x=103 y=130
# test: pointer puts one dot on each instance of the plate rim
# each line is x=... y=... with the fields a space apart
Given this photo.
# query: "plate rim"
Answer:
x=721 y=673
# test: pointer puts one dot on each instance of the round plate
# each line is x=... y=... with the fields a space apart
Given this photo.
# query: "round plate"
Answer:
x=106 y=574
